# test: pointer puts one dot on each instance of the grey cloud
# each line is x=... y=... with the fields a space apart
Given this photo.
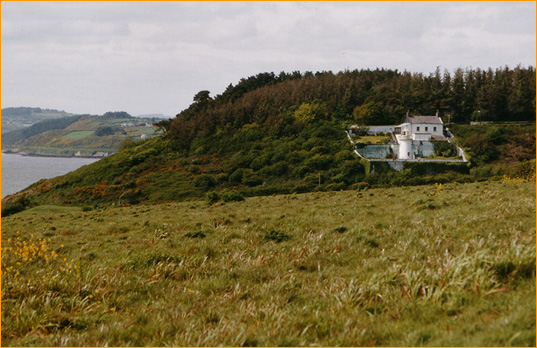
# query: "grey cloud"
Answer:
x=148 y=57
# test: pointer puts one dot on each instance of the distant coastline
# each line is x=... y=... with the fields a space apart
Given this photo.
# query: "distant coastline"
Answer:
x=35 y=154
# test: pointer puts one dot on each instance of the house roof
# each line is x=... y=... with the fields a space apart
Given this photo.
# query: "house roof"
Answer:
x=423 y=119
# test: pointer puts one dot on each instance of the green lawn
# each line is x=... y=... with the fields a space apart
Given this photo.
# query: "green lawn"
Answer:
x=373 y=139
x=77 y=135
x=437 y=265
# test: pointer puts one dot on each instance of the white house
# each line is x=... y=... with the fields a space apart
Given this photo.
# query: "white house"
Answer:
x=422 y=128
x=413 y=137
x=414 y=131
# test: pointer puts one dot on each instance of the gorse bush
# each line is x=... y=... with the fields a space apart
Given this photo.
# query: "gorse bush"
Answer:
x=524 y=170
x=231 y=195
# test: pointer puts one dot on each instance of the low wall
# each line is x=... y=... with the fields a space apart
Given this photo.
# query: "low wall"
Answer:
x=378 y=151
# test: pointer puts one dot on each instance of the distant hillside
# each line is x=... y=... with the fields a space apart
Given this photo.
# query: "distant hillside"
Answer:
x=284 y=133
x=21 y=117
x=86 y=134
x=151 y=116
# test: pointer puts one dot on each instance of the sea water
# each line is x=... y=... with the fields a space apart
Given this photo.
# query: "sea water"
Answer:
x=19 y=172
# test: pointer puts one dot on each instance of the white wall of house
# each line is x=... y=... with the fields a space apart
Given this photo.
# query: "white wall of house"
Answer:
x=421 y=136
x=426 y=128
x=405 y=128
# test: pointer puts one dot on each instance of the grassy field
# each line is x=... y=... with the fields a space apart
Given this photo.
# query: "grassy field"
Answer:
x=77 y=135
x=436 y=265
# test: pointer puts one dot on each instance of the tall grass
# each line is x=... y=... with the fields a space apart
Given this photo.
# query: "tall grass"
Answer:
x=450 y=265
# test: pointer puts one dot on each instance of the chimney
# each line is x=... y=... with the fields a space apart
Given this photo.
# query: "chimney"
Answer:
x=436 y=113
x=407 y=112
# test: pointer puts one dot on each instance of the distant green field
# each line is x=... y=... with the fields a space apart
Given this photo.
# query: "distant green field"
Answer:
x=141 y=130
x=432 y=265
x=77 y=135
x=119 y=120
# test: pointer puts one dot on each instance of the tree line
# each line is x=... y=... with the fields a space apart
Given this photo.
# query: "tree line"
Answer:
x=365 y=96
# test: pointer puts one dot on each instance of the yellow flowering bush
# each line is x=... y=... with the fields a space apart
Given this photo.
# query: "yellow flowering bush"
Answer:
x=33 y=262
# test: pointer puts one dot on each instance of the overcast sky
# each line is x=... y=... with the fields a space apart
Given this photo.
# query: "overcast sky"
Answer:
x=152 y=57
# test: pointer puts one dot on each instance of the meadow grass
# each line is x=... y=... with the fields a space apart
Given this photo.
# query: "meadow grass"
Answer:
x=77 y=135
x=436 y=265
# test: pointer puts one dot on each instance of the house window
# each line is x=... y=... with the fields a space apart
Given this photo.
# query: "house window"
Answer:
x=426 y=129
x=434 y=129
x=418 y=129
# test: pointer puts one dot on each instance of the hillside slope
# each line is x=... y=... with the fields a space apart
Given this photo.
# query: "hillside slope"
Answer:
x=86 y=134
x=280 y=134
x=21 y=117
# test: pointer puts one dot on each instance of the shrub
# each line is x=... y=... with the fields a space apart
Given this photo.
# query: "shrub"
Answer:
x=293 y=157
x=204 y=182
x=278 y=168
x=222 y=178
x=339 y=178
x=320 y=150
x=231 y=195
x=319 y=162
x=300 y=172
x=236 y=176
x=212 y=197
x=352 y=168
x=524 y=169
x=343 y=156
x=132 y=196
x=241 y=159
x=257 y=163
x=15 y=206
x=302 y=188
x=313 y=179
x=444 y=148
x=481 y=147
x=251 y=179
x=127 y=144
x=494 y=135
x=336 y=186
x=266 y=191
x=194 y=169
x=359 y=186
